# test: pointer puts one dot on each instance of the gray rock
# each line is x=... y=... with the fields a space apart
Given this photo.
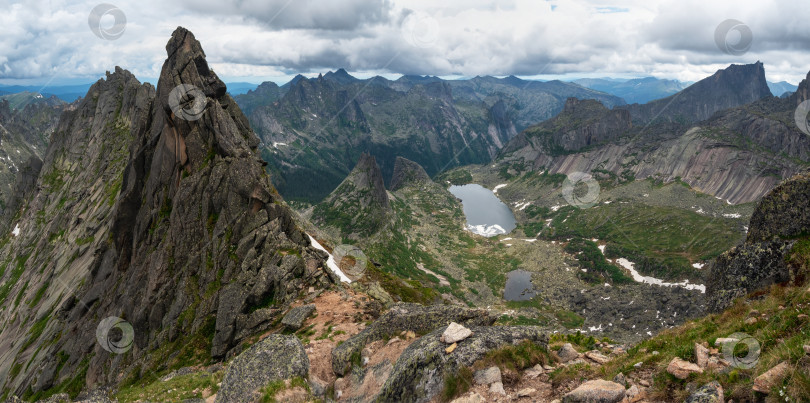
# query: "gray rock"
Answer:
x=418 y=374
x=488 y=376
x=406 y=317
x=295 y=318
x=710 y=393
x=596 y=391
x=567 y=353
x=497 y=388
x=277 y=357
x=620 y=379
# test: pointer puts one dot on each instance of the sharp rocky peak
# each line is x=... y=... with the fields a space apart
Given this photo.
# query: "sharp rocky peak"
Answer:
x=168 y=220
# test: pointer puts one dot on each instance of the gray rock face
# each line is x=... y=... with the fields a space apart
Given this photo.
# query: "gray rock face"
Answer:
x=295 y=318
x=277 y=357
x=783 y=214
x=403 y=317
x=736 y=154
x=155 y=214
x=419 y=373
x=407 y=172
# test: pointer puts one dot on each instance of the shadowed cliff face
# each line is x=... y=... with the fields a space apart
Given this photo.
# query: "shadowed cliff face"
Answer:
x=154 y=208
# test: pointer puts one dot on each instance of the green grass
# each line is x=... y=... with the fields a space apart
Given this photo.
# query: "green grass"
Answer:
x=781 y=337
x=681 y=237
x=176 y=389
x=270 y=391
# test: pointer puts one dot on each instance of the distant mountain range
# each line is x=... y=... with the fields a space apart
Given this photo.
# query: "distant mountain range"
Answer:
x=313 y=130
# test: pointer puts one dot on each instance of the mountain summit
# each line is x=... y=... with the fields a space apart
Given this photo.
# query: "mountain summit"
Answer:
x=731 y=87
x=152 y=209
x=359 y=206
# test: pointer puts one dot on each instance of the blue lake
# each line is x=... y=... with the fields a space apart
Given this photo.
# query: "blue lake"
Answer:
x=486 y=214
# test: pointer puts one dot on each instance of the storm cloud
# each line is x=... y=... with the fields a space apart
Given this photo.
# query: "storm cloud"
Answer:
x=261 y=38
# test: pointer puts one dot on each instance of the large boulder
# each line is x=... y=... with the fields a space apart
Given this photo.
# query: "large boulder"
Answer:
x=277 y=357
x=295 y=318
x=406 y=317
x=418 y=375
x=596 y=391
x=783 y=213
x=782 y=216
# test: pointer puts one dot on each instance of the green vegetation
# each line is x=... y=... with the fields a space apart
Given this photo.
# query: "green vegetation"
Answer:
x=592 y=260
x=780 y=337
x=511 y=358
x=680 y=238
x=270 y=391
x=177 y=389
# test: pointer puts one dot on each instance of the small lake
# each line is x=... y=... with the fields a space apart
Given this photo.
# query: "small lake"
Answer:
x=486 y=214
x=519 y=286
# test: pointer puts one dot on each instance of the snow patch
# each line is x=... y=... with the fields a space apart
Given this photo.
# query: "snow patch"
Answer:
x=698 y=265
x=732 y=215
x=495 y=189
x=555 y=208
x=331 y=262
x=277 y=143
x=16 y=230
x=486 y=230
x=652 y=280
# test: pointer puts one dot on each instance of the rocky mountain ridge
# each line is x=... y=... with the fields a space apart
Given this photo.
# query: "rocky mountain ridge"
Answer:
x=318 y=124
x=738 y=154
x=179 y=234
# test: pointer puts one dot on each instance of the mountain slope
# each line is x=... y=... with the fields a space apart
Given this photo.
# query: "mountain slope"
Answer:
x=731 y=87
x=24 y=135
x=359 y=207
x=738 y=154
x=154 y=212
x=319 y=124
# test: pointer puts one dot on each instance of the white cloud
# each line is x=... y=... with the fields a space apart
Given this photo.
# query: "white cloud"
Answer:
x=668 y=38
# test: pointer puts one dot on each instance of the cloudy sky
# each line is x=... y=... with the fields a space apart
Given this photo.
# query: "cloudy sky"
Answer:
x=257 y=40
